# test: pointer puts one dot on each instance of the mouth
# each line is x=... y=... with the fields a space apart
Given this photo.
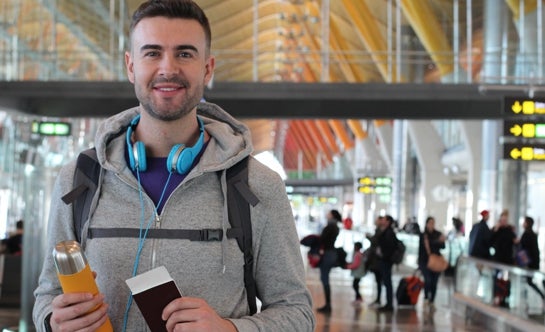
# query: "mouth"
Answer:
x=168 y=88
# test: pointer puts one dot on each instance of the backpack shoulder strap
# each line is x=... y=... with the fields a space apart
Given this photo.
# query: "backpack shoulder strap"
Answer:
x=239 y=199
x=86 y=183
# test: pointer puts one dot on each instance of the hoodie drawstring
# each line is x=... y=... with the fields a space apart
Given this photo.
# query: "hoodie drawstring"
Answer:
x=225 y=218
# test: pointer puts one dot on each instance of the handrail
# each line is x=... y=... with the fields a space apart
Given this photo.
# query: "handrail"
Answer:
x=510 y=288
x=521 y=271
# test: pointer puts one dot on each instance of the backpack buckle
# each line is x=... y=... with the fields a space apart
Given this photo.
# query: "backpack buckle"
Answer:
x=211 y=234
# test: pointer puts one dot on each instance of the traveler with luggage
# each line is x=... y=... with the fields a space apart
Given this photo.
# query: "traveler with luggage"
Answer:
x=431 y=242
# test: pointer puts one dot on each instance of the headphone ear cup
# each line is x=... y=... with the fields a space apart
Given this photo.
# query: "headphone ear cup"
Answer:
x=139 y=151
x=185 y=161
x=175 y=159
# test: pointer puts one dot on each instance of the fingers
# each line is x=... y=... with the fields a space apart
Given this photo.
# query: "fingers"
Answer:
x=193 y=314
x=78 y=311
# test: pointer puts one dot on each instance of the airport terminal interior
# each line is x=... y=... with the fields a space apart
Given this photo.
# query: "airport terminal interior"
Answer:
x=408 y=108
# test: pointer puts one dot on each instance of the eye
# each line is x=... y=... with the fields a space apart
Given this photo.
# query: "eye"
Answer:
x=185 y=55
x=151 y=54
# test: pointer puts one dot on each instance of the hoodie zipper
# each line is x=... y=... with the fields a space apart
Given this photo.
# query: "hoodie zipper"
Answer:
x=154 y=241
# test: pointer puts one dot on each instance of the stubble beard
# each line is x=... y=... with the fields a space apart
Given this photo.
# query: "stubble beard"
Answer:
x=172 y=112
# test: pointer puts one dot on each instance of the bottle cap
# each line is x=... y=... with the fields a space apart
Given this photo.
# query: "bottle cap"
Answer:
x=68 y=257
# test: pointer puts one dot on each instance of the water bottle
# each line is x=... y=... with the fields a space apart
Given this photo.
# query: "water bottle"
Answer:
x=75 y=274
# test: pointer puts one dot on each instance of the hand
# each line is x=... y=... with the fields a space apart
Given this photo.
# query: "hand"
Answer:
x=71 y=312
x=194 y=314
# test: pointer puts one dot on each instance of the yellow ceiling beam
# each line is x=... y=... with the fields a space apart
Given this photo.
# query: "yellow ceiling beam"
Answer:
x=426 y=26
x=370 y=35
x=514 y=5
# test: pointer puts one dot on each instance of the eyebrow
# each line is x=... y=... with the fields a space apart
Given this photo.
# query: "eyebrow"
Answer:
x=159 y=47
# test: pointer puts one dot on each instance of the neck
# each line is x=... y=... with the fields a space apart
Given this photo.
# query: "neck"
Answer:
x=159 y=136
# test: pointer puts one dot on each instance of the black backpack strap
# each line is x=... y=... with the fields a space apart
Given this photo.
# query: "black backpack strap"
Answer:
x=86 y=181
x=239 y=198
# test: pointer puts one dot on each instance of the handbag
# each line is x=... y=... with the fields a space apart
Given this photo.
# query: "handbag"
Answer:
x=522 y=258
x=436 y=263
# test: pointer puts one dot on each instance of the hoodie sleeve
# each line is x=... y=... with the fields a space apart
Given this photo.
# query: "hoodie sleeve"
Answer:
x=59 y=228
x=278 y=265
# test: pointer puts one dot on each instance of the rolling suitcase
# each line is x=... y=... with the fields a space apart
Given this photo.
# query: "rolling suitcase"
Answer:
x=408 y=290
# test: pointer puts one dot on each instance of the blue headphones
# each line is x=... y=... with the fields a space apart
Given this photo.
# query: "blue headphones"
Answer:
x=180 y=159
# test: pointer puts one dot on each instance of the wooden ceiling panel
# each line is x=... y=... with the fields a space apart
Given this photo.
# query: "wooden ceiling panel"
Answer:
x=285 y=44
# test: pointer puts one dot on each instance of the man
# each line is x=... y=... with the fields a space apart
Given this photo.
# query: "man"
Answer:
x=328 y=237
x=169 y=63
x=480 y=238
x=14 y=243
x=386 y=245
x=373 y=261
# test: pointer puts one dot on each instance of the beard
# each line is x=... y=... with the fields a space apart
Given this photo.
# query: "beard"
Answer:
x=167 y=110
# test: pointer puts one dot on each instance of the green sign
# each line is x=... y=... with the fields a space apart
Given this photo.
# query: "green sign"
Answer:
x=50 y=128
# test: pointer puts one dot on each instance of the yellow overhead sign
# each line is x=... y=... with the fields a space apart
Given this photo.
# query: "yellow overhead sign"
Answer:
x=525 y=106
x=525 y=152
x=524 y=129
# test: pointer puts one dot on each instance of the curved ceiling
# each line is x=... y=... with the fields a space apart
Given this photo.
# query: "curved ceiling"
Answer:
x=263 y=41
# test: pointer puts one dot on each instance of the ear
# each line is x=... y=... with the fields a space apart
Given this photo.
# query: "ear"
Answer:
x=209 y=69
x=129 y=64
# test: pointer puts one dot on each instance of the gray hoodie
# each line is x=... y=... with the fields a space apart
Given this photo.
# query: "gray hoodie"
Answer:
x=212 y=271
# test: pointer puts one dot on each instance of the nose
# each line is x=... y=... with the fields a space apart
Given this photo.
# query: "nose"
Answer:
x=168 y=66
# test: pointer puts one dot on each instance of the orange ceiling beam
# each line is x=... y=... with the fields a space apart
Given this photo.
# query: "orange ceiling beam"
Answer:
x=340 y=131
x=356 y=128
x=307 y=138
x=303 y=145
x=314 y=132
x=325 y=130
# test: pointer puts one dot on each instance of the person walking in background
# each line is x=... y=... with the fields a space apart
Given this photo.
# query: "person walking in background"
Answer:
x=528 y=243
x=480 y=238
x=357 y=267
x=373 y=261
x=503 y=240
x=386 y=245
x=14 y=243
x=329 y=255
x=431 y=242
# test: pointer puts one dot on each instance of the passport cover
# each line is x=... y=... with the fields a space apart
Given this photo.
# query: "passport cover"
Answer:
x=152 y=291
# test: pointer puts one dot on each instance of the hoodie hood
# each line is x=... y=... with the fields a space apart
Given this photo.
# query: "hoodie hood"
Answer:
x=230 y=140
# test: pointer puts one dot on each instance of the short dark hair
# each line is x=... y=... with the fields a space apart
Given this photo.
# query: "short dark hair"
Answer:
x=390 y=219
x=185 y=9
x=336 y=215
x=529 y=221
x=19 y=224
x=358 y=245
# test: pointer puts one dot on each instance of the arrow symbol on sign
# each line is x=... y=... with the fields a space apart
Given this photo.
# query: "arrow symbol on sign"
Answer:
x=515 y=153
x=516 y=130
x=516 y=107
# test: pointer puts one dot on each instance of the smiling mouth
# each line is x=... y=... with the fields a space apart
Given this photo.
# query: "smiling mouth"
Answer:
x=168 y=89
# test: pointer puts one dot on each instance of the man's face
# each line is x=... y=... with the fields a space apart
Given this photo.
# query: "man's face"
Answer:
x=169 y=66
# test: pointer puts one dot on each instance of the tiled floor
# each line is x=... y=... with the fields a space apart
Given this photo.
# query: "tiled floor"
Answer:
x=347 y=318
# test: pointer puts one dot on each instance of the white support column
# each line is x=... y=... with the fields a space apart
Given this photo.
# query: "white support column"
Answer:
x=435 y=190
